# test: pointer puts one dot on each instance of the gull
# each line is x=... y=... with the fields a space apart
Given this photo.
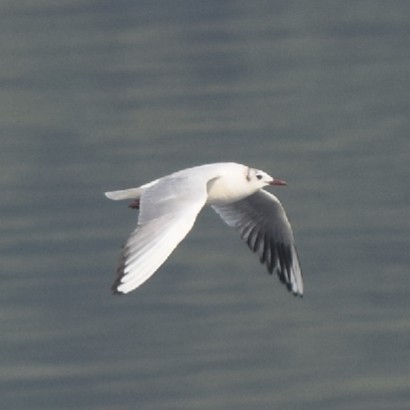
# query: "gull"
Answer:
x=168 y=208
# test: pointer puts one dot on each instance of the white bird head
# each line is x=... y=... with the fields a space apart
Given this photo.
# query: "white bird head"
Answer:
x=261 y=179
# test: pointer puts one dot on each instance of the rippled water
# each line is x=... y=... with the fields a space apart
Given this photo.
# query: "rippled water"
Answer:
x=105 y=95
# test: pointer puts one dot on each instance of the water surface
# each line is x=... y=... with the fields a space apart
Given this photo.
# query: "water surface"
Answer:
x=98 y=96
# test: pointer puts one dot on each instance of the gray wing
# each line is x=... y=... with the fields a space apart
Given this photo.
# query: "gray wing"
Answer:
x=168 y=210
x=263 y=225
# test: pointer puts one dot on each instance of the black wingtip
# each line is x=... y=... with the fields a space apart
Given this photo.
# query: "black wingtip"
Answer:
x=114 y=289
x=119 y=273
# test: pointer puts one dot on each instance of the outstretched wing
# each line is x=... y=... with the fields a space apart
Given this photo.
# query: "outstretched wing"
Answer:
x=263 y=225
x=168 y=210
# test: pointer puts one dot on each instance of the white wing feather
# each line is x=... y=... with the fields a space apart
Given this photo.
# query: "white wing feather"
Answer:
x=168 y=210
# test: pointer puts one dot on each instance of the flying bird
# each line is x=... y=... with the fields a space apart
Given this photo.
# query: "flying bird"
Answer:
x=168 y=208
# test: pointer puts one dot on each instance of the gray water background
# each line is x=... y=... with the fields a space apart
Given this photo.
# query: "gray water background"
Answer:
x=102 y=95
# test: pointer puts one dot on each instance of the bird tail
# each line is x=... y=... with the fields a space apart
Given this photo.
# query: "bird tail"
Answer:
x=124 y=194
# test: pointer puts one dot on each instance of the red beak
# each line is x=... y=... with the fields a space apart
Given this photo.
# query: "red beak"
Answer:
x=277 y=182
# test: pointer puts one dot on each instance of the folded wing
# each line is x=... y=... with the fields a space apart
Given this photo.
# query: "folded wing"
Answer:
x=263 y=225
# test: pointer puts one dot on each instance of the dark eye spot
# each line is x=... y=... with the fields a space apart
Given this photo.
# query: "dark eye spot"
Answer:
x=259 y=176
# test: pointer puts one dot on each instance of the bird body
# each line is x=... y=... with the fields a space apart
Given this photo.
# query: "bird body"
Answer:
x=224 y=182
x=169 y=207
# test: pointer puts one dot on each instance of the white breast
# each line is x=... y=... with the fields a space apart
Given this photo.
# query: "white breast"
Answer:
x=229 y=188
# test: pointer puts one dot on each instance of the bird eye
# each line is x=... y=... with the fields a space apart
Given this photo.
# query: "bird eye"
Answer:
x=259 y=176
